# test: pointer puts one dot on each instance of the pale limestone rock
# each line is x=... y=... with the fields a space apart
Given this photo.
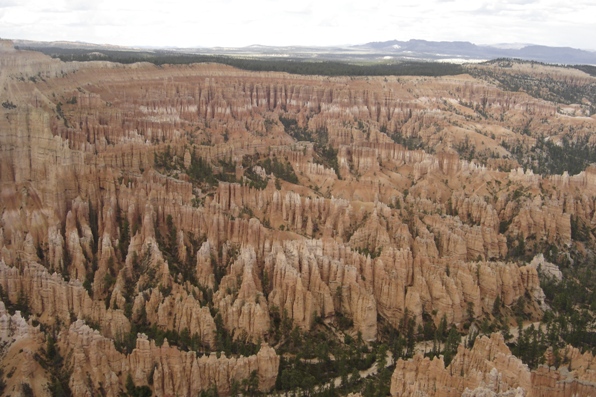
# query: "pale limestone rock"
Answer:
x=546 y=268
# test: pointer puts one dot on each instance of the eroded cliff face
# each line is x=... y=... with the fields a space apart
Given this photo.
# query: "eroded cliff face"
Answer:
x=178 y=203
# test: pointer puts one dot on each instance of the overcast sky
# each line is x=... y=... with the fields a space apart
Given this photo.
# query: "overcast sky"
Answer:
x=185 y=23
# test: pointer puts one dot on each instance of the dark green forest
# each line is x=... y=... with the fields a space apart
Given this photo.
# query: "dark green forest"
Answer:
x=565 y=91
x=547 y=157
x=294 y=66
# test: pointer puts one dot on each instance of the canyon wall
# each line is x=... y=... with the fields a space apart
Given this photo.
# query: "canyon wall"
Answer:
x=207 y=201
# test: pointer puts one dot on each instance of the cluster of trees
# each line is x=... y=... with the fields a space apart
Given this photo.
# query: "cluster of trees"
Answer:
x=255 y=181
x=546 y=157
x=184 y=339
x=412 y=142
x=168 y=245
x=465 y=150
x=136 y=391
x=299 y=133
x=589 y=69
x=327 y=156
x=544 y=87
x=225 y=342
x=374 y=253
x=281 y=170
x=200 y=170
x=573 y=301
x=315 y=358
x=325 y=153
x=402 y=340
x=22 y=303
x=8 y=105
x=53 y=362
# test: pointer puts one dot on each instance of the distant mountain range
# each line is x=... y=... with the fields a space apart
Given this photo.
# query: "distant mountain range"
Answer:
x=465 y=50
x=450 y=51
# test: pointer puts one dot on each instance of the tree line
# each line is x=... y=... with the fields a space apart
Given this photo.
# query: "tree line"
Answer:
x=294 y=66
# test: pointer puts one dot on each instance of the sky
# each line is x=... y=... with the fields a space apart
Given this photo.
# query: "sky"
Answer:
x=236 y=23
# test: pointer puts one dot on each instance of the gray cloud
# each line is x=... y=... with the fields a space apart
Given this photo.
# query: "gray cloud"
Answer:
x=521 y=2
x=81 y=5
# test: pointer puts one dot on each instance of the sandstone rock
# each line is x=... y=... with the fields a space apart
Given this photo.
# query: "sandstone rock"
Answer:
x=243 y=307
x=170 y=371
x=488 y=365
x=395 y=231
x=51 y=298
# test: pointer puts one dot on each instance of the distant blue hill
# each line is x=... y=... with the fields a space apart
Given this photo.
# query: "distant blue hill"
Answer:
x=466 y=50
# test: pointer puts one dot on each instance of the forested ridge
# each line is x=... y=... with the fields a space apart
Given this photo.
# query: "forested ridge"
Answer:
x=296 y=66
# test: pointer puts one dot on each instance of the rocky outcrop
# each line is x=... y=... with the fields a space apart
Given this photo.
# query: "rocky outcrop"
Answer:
x=242 y=305
x=545 y=267
x=306 y=284
x=457 y=240
x=97 y=364
x=51 y=298
x=21 y=346
x=545 y=221
x=577 y=377
x=489 y=369
x=488 y=366
x=178 y=311
x=447 y=287
x=14 y=327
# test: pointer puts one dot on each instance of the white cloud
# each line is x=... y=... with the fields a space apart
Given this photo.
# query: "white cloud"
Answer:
x=284 y=22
